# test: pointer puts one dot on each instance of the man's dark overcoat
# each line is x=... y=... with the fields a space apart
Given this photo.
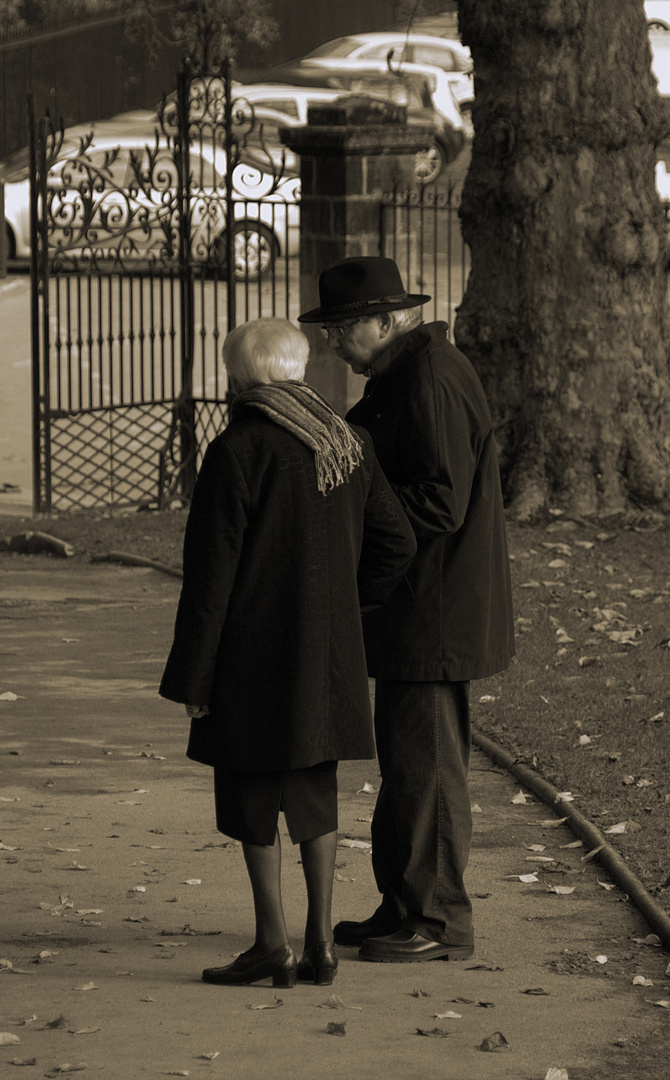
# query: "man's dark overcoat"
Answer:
x=268 y=628
x=451 y=620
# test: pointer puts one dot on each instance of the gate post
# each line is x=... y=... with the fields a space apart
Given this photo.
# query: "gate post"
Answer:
x=351 y=151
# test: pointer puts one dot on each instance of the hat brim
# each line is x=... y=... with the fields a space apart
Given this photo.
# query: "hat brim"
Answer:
x=353 y=311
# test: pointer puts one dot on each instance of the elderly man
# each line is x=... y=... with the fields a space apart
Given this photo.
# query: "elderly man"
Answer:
x=448 y=623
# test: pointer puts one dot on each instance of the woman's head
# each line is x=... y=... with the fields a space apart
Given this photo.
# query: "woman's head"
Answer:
x=264 y=351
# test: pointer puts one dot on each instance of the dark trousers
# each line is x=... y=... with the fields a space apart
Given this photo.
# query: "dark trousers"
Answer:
x=422 y=823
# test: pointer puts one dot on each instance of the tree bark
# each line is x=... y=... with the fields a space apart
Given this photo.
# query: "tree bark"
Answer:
x=565 y=313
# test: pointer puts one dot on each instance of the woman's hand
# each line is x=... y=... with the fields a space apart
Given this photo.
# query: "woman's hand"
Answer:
x=194 y=712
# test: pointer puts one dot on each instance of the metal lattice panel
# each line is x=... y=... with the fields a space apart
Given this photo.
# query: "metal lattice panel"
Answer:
x=108 y=457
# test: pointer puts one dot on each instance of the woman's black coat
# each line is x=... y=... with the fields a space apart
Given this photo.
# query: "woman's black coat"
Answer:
x=268 y=629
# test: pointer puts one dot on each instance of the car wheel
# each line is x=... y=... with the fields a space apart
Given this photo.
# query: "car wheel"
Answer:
x=255 y=248
x=428 y=164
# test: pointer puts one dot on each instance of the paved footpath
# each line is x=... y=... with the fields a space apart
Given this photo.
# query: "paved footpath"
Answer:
x=117 y=891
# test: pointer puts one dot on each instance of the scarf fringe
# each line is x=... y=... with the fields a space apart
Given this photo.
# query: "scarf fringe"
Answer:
x=298 y=408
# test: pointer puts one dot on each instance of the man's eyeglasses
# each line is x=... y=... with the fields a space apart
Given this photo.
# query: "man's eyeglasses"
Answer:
x=340 y=330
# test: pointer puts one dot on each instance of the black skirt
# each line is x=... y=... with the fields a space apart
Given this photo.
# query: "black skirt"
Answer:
x=248 y=803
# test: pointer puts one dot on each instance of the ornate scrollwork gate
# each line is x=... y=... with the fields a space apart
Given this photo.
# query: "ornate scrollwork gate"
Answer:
x=150 y=240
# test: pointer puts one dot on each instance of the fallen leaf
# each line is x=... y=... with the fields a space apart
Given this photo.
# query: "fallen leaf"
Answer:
x=336 y=1002
x=640 y=980
x=59 y=1022
x=487 y=698
x=476 y=809
x=651 y=939
x=211 y=1056
x=661 y=1004
x=497 y=1041
x=335 y=1029
x=535 y=847
x=7 y=1038
x=6 y=847
x=607 y=885
x=448 y=1016
x=592 y=854
x=536 y=991
x=367 y=789
x=85 y=1031
x=86 y=986
x=520 y=799
x=274 y=1005
x=9 y=696
x=527 y=879
x=561 y=890
x=418 y=993
x=602 y=959
x=574 y=844
x=193 y=881
x=24 y=1061
x=565 y=796
x=67 y=1068
x=548 y=823
x=362 y=844
x=556 y=1074
x=434 y=1033
x=539 y=858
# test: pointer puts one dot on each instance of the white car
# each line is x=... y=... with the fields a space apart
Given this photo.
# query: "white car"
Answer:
x=111 y=193
x=397 y=50
x=411 y=48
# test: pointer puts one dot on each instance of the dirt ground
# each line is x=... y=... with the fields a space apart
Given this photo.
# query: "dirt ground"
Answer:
x=117 y=891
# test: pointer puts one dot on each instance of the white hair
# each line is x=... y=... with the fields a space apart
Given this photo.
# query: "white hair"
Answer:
x=405 y=319
x=266 y=350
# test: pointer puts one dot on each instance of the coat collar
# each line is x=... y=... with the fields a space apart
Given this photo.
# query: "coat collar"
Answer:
x=406 y=347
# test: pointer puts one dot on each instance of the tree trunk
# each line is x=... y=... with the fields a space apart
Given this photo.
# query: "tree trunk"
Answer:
x=565 y=312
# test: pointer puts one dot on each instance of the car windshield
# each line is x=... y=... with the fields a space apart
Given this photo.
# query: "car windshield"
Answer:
x=338 y=47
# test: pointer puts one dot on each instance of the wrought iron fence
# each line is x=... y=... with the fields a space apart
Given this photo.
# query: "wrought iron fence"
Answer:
x=148 y=246
x=421 y=230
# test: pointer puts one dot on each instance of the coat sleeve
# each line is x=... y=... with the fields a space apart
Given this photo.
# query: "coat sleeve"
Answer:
x=442 y=435
x=212 y=545
x=389 y=545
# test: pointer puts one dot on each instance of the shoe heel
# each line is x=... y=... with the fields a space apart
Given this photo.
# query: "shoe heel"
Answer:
x=285 y=979
x=323 y=976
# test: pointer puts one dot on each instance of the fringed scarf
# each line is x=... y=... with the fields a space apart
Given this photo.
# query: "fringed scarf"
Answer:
x=303 y=412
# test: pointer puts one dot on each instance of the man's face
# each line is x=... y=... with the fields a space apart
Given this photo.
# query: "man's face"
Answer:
x=356 y=341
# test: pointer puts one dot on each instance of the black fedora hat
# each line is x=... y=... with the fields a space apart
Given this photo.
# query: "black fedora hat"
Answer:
x=361 y=286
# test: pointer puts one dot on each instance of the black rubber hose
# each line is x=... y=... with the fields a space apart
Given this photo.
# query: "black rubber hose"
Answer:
x=657 y=918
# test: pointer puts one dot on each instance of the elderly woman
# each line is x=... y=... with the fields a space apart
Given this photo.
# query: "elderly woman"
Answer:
x=292 y=530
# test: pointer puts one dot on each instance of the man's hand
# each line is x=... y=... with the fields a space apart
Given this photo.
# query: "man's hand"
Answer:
x=194 y=712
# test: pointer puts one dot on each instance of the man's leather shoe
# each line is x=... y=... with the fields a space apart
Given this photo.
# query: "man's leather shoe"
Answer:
x=406 y=947
x=353 y=934
x=249 y=967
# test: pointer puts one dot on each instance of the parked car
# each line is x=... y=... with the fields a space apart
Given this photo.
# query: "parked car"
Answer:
x=400 y=47
x=111 y=192
x=425 y=91
x=397 y=49
x=658 y=14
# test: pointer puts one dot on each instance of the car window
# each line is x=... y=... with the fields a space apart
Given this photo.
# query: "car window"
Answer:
x=284 y=105
x=437 y=57
x=380 y=52
x=114 y=165
x=339 y=47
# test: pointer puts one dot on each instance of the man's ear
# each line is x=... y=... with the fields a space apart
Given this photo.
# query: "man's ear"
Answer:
x=385 y=324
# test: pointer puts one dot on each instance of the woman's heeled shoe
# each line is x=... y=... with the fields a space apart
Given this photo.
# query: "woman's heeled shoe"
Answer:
x=249 y=967
x=318 y=964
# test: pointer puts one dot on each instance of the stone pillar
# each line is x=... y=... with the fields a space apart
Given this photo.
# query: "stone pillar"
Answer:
x=351 y=151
